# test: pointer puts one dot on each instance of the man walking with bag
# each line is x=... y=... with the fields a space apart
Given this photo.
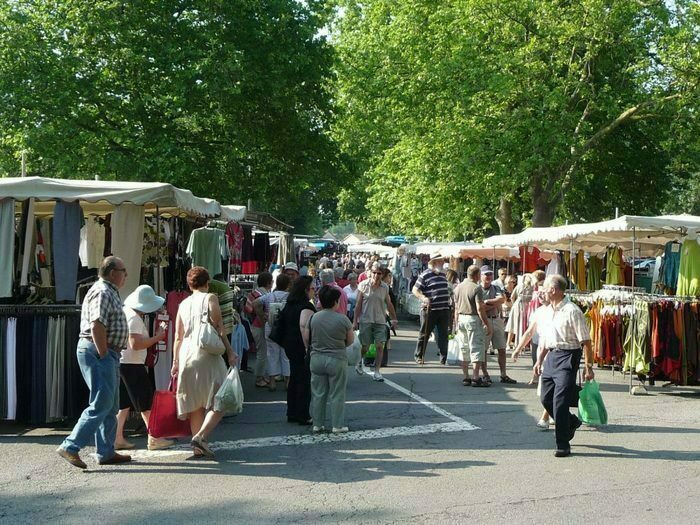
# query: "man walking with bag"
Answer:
x=564 y=332
x=103 y=334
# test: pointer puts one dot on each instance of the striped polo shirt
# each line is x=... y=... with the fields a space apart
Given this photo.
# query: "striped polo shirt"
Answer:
x=436 y=288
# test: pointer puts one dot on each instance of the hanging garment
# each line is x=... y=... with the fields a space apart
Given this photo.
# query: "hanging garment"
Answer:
x=689 y=269
x=44 y=226
x=127 y=243
x=578 y=271
x=637 y=341
x=11 y=366
x=37 y=410
x=285 y=252
x=92 y=243
x=671 y=265
x=155 y=245
x=262 y=250
x=23 y=359
x=529 y=258
x=207 y=247
x=3 y=370
x=247 y=245
x=595 y=266
x=7 y=246
x=234 y=241
x=614 y=269
x=55 y=367
x=66 y=244
x=555 y=266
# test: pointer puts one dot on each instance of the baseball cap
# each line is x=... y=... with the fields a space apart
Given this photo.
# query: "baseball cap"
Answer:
x=291 y=266
x=486 y=269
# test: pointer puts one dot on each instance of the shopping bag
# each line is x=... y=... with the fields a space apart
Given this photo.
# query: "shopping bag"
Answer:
x=163 y=421
x=371 y=352
x=589 y=405
x=354 y=350
x=454 y=352
x=229 y=398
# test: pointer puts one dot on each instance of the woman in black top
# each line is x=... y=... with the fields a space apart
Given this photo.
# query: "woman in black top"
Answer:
x=295 y=317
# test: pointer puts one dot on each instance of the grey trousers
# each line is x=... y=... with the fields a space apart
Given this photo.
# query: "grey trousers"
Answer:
x=329 y=377
x=260 y=350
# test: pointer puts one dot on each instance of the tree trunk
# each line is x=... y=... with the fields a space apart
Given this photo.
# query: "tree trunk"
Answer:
x=543 y=210
x=504 y=216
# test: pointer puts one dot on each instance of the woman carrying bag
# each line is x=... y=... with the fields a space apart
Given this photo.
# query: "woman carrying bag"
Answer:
x=197 y=363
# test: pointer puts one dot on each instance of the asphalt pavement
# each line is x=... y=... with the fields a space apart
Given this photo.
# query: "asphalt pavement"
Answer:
x=422 y=448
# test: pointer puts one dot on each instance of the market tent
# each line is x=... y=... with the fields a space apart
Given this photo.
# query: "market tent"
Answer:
x=466 y=250
x=647 y=234
x=100 y=197
x=379 y=249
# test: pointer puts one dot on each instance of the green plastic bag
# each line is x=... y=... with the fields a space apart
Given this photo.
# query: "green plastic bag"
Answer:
x=591 y=409
x=371 y=351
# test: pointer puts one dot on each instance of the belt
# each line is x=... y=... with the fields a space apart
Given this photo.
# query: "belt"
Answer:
x=564 y=349
x=473 y=315
x=494 y=316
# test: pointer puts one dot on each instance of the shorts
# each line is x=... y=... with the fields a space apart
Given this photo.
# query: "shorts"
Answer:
x=135 y=389
x=498 y=334
x=372 y=333
x=471 y=338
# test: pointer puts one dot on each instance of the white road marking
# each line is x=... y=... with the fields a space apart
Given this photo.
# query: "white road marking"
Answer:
x=313 y=439
x=457 y=425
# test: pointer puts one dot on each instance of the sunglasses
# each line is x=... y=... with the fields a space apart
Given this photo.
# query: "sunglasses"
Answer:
x=377 y=273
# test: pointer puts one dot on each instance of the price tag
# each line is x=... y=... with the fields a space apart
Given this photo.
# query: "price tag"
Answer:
x=675 y=248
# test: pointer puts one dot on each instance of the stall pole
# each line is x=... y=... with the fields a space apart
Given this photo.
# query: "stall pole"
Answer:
x=28 y=248
x=571 y=263
x=634 y=323
x=156 y=273
x=493 y=262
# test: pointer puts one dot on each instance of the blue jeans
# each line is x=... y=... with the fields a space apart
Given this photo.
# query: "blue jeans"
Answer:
x=99 y=420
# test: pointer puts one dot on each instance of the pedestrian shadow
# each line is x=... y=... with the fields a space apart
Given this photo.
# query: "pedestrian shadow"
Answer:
x=641 y=429
x=607 y=451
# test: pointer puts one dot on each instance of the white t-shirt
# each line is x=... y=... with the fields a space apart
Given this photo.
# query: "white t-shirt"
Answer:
x=136 y=326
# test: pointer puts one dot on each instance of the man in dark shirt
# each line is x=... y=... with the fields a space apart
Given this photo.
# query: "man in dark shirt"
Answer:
x=432 y=289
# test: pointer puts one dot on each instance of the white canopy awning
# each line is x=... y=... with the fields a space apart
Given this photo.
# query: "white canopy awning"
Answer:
x=379 y=249
x=466 y=250
x=233 y=213
x=100 y=197
x=649 y=234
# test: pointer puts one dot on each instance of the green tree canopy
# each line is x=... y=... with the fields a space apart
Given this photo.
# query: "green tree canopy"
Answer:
x=228 y=99
x=455 y=112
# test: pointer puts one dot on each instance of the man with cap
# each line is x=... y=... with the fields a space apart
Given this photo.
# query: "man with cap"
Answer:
x=433 y=290
x=494 y=297
x=292 y=270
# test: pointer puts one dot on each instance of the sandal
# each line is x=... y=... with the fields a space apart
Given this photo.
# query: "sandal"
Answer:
x=480 y=383
x=262 y=383
x=467 y=381
x=509 y=380
x=200 y=448
x=487 y=380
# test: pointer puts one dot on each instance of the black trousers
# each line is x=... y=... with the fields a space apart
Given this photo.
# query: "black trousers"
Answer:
x=299 y=390
x=439 y=319
x=558 y=388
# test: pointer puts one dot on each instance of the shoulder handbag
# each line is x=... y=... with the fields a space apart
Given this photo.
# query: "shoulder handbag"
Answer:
x=277 y=328
x=207 y=338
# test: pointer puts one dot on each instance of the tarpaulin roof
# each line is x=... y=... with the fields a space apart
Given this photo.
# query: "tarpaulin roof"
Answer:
x=99 y=197
x=650 y=234
x=466 y=250
x=233 y=213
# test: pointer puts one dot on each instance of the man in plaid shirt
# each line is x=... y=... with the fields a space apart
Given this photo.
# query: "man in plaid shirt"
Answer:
x=103 y=335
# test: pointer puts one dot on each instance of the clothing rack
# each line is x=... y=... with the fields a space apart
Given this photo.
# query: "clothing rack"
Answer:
x=14 y=310
x=618 y=288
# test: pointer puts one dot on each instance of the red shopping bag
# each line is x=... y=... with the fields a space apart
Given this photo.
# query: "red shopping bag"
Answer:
x=163 y=422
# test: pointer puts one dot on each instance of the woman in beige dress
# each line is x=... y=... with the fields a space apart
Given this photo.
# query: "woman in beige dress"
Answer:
x=199 y=373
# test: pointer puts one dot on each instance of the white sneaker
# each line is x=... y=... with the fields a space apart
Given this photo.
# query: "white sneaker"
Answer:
x=360 y=369
x=318 y=430
x=378 y=377
x=340 y=430
x=544 y=425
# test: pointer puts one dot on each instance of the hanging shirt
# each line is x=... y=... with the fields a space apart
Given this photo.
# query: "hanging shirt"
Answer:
x=672 y=262
x=614 y=269
x=92 y=243
x=127 y=242
x=689 y=269
x=207 y=247
x=155 y=246
x=7 y=245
